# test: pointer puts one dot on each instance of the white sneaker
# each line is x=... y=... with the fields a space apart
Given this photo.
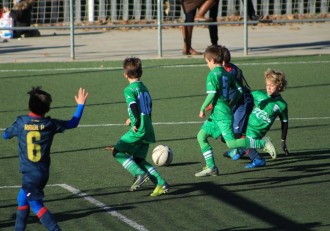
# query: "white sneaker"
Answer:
x=269 y=147
x=208 y=172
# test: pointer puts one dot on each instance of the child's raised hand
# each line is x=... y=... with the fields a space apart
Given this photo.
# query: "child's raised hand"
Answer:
x=82 y=96
x=201 y=114
x=128 y=122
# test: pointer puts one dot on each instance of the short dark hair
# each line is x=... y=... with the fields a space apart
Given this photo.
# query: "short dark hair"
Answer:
x=133 y=67
x=39 y=102
x=226 y=54
x=214 y=52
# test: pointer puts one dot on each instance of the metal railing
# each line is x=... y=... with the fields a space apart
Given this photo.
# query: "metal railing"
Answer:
x=58 y=11
x=80 y=14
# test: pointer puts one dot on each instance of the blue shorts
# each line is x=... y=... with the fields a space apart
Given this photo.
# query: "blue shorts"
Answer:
x=33 y=184
x=241 y=113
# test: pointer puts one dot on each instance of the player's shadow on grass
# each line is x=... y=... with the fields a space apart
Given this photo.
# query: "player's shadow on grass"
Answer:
x=81 y=150
x=303 y=156
x=72 y=215
x=307 y=226
x=297 y=168
x=247 y=206
x=182 y=164
x=69 y=215
x=303 y=161
x=178 y=139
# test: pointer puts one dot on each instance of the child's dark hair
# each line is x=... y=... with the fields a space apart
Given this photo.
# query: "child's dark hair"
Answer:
x=39 y=102
x=226 y=54
x=214 y=52
x=133 y=67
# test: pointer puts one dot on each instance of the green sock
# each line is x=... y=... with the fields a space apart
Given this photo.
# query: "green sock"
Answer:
x=206 y=148
x=237 y=143
x=246 y=143
x=152 y=178
x=209 y=158
x=129 y=164
x=153 y=174
x=254 y=143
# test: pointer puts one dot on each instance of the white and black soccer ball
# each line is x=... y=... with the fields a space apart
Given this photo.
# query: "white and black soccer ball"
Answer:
x=162 y=155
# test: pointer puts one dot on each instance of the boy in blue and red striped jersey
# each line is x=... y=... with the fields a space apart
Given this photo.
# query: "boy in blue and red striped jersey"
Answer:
x=35 y=134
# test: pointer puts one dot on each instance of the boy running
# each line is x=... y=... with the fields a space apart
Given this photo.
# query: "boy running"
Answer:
x=132 y=148
x=220 y=121
x=35 y=134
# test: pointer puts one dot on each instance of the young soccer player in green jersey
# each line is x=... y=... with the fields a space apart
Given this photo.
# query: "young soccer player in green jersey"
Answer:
x=132 y=148
x=220 y=121
x=268 y=105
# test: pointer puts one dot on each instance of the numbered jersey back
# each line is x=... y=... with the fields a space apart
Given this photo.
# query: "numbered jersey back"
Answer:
x=138 y=93
x=35 y=136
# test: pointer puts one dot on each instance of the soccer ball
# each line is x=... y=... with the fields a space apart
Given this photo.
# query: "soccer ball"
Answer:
x=162 y=155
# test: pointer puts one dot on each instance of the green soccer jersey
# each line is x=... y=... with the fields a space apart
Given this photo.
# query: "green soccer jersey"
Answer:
x=265 y=112
x=138 y=93
x=215 y=83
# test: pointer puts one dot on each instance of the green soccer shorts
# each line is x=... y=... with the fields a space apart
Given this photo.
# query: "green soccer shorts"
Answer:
x=129 y=144
x=220 y=127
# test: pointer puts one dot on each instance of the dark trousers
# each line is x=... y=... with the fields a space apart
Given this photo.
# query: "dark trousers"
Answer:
x=213 y=29
x=250 y=8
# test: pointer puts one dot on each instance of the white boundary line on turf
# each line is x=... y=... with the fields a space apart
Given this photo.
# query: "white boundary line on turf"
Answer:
x=101 y=205
x=165 y=66
x=178 y=123
x=250 y=64
x=95 y=202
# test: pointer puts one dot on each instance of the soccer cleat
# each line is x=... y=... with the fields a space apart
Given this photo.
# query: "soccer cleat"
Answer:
x=159 y=190
x=138 y=181
x=230 y=153
x=256 y=163
x=208 y=172
x=234 y=154
x=269 y=147
x=239 y=154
